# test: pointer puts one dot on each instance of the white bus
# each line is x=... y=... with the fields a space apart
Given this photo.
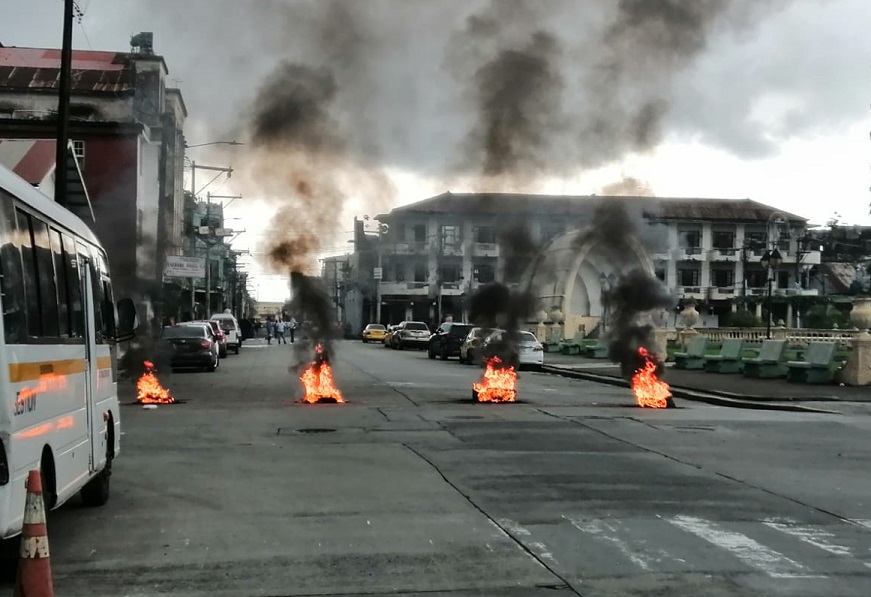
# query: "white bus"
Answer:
x=57 y=354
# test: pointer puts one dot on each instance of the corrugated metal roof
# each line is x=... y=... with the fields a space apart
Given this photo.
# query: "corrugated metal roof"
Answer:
x=732 y=210
x=39 y=69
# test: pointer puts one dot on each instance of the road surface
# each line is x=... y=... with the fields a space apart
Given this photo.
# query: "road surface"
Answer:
x=409 y=489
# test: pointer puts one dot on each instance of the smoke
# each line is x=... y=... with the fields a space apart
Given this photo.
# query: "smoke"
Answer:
x=311 y=307
x=629 y=186
x=517 y=248
x=496 y=306
x=636 y=294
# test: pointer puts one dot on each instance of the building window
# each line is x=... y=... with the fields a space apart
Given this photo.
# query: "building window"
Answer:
x=419 y=233
x=783 y=279
x=485 y=273
x=723 y=278
x=690 y=239
x=450 y=273
x=756 y=279
x=724 y=240
x=485 y=235
x=79 y=152
x=399 y=272
x=661 y=273
x=688 y=277
x=450 y=235
x=420 y=272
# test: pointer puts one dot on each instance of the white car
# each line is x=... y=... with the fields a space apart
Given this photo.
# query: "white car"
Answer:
x=525 y=351
x=231 y=330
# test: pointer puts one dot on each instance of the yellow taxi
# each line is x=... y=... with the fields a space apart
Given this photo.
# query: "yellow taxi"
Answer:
x=374 y=332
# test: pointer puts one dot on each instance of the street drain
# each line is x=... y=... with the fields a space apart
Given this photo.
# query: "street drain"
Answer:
x=315 y=430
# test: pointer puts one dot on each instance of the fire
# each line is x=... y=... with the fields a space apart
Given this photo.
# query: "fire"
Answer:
x=649 y=390
x=317 y=380
x=149 y=389
x=498 y=383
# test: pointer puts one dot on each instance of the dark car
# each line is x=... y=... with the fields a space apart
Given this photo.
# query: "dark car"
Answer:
x=191 y=345
x=219 y=334
x=447 y=339
x=410 y=333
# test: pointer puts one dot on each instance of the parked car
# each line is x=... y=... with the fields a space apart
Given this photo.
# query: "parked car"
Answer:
x=470 y=349
x=445 y=342
x=521 y=349
x=191 y=345
x=374 y=332
x=388 y=336
x=231 y=329
x=219 y=334
x=410 y=333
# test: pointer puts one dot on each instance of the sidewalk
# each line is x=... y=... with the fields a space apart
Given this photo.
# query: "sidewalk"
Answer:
x=729 y=385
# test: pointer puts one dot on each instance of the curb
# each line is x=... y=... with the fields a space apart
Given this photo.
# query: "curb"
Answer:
x=694 y=395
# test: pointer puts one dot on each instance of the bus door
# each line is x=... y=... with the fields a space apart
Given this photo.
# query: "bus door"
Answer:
x=89 y=308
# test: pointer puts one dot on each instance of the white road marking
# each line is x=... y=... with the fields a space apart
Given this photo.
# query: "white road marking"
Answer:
x=812 y=535
x=539 y=548
x=864 y=522
x=608 y=532
x=744 y=548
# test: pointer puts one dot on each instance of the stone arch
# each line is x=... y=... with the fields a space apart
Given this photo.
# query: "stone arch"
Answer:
x=566 y=274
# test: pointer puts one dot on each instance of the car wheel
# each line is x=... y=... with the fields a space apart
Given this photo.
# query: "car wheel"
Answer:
x=444 y=353
x=430 y=352
x=365 y=341
x=211 y=368
x=223 y=353
x=236 y=349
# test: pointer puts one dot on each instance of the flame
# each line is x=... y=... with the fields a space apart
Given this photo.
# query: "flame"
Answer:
x=498 y=383
x=317 y=380
x=149 y=389
x=649 y=390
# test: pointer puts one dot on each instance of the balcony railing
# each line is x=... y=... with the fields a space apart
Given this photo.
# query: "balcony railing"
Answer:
x=485 y=250
x=793 y=336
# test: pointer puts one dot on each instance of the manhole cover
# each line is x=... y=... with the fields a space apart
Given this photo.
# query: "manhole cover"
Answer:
x=315 y=430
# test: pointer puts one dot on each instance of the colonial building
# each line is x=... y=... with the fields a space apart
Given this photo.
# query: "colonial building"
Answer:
x=126 y=129
x=435 y=253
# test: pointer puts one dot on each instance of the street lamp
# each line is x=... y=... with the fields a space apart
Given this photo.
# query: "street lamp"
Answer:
x=770 y=261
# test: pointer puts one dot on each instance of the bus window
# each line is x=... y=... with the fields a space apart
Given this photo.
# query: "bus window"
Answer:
x=103 y=293
x=63 y=293
x=11 y=287
x=74 y=288
x=31 y=279
x=96 y=292
x=45 y=270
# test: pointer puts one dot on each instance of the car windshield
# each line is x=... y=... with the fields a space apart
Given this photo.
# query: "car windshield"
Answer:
x=375 y=326
x=459 y=330
x=185 y=331
x=524 y=337
x=413 y=325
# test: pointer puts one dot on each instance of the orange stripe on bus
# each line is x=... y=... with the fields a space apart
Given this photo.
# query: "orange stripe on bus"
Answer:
x=104 y=362
x=19 y=372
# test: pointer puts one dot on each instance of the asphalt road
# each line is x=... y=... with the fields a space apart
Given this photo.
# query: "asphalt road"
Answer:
x=410 y=489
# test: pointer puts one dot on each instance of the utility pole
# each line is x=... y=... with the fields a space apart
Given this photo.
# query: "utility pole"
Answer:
x=194 y=248
x=379 y=278
x=208 y=257
x=63 y=107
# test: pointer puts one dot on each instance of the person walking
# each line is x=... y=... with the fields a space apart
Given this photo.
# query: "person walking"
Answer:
x=270 y=329
x=291 y=326
x=279 y=332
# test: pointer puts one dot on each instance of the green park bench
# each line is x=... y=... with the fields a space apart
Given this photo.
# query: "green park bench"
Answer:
x=729 y=359
x=574 y=345
x=552 y=341
x=816 y=368
x=694 y=357
x=769 y=363
x=599 y=350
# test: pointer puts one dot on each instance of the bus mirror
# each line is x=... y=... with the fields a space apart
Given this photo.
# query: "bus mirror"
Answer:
x=128 y=320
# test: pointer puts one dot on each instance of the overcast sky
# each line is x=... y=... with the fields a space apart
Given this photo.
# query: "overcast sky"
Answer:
x=766 y=99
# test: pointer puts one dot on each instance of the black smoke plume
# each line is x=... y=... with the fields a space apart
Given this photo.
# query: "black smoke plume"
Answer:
x=310 y=305
x=636 y=294
x=497 y=306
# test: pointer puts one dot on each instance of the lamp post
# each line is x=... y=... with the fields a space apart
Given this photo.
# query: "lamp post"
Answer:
x=606 y=282
x=770 y=261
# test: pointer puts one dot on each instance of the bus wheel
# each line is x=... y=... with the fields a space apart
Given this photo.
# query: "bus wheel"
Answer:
x=46 y=471
x=96 y=492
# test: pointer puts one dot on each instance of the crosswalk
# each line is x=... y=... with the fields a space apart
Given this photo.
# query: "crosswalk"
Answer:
x=777 y=548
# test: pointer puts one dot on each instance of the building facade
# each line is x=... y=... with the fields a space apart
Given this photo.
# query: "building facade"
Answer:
x=127 y=131
x=436 y=253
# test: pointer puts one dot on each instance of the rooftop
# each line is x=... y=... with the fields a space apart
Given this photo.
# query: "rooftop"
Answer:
x=38 y=69
x=666 y=208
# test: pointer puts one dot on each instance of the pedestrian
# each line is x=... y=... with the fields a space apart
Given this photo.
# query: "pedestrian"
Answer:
x=270 y=329
x=291 y=327
x=279 y=332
